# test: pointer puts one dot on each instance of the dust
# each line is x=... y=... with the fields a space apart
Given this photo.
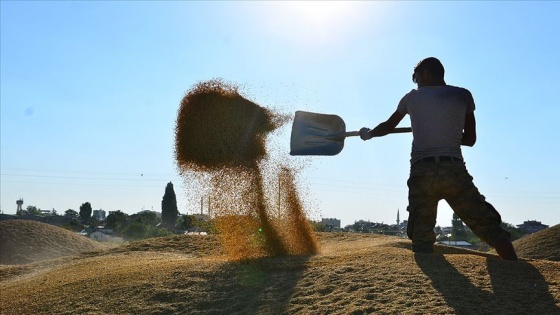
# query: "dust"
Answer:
x=220 y=143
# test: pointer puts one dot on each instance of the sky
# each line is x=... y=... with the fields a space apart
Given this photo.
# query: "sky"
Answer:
x=89 y=93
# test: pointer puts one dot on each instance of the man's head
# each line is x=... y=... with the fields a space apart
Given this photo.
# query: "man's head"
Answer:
x=429 y=71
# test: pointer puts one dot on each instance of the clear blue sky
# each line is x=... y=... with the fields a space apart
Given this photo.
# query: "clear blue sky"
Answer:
x=90 y=92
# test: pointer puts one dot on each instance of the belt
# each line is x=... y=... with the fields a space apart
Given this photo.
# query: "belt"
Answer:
x=440 y=158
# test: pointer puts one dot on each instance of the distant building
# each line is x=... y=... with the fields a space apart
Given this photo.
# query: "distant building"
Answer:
x=99 y=215
x=331 y=223
x=462 y=244
x=446 y=231
x=403 y=225
x=531 y=227
x=19 y=204
x=104 y=229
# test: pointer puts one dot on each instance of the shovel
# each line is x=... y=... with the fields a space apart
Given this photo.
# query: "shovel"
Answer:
x=321 y=134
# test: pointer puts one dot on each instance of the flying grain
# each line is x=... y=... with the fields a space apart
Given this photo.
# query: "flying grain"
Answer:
x=220 y=142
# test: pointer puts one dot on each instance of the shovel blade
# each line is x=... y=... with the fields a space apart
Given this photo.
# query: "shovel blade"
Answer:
x=317 y=134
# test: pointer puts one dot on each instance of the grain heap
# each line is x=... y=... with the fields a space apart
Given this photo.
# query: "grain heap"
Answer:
x=220 y=138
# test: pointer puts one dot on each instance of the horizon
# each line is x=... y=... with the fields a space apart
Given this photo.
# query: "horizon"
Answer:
x=342 y=225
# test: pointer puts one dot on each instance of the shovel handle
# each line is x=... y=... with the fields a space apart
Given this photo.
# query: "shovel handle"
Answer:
x=396 y=130
x=401 y=130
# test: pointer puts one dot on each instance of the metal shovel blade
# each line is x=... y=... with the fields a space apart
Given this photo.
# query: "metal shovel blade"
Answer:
x=322 y=134
x=317 y=134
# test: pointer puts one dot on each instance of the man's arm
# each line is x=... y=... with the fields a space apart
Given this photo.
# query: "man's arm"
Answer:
x=469 y=131
x=383 y=128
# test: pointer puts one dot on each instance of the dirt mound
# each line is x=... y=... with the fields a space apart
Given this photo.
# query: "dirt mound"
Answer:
x=544 y=244
x=25 y=241
x=354 y=274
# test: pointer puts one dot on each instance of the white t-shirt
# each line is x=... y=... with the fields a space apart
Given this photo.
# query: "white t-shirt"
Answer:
x=437 y=115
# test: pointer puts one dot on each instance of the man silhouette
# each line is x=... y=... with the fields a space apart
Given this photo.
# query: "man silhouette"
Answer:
x=442 y=118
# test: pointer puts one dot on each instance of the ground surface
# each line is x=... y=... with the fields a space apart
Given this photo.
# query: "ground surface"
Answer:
x=353 y=274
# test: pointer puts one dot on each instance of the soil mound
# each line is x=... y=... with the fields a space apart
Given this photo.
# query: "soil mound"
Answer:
x=25 y=241
x=544 y=244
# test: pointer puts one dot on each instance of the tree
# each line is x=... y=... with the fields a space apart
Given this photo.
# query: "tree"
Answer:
x=33 y=210
x=187 y=221
x=204 y=225
x=85 y=211
x=71 y=213
x=144 y=226
x=169 y=210
x=93 y=221
x=515 y=232
x=73 y=225
x=117 y=221
x=318 y=226
x=148 y=218
x=458 y=232
x=136 y=231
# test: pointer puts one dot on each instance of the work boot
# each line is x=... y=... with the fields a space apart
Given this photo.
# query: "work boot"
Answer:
x=505 y=250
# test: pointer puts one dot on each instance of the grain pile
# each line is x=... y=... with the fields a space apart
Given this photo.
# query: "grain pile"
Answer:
x=220 y=142
x=355 y=273
x=544 y=244
x=26 y=241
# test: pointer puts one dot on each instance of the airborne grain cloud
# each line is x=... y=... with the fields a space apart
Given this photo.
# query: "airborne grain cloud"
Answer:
x=220 y=139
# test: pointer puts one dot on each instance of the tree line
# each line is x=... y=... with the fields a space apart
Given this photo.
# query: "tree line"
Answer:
x=141 y=225
x=147 y=224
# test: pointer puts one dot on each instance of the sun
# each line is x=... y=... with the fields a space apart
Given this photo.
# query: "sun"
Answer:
x=319 y=13
x=311 y=21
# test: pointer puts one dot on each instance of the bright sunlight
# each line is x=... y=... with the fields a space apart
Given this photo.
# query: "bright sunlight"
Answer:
x=312 y=21
x=319 y=13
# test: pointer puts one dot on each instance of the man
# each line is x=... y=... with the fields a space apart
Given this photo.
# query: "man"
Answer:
x=442 y=118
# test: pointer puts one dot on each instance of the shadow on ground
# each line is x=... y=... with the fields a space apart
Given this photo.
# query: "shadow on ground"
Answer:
x=259 y=286
x=516 y=287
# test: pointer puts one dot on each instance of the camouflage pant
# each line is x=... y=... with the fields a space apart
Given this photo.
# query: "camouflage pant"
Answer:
x=432 y=181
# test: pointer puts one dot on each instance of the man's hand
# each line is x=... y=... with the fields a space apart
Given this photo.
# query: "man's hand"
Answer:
x=365 y=133
x=383 y=128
